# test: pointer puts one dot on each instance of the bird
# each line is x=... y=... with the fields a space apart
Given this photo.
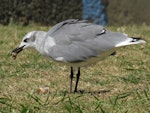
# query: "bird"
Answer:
x=76 y=43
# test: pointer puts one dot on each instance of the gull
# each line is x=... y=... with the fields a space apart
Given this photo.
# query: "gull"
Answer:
x=76 y=43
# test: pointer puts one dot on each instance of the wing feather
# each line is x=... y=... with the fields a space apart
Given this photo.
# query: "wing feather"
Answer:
x=79 y=40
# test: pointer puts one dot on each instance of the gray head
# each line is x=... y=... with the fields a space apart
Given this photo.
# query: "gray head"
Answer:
x=28 y=41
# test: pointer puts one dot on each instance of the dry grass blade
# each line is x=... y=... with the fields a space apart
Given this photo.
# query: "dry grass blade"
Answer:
x=120 y=84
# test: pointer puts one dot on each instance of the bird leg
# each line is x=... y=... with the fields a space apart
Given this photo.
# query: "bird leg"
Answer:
x=77 y=79
x=71 y=78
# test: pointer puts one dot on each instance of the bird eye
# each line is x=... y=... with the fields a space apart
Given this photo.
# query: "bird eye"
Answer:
x=25 y=40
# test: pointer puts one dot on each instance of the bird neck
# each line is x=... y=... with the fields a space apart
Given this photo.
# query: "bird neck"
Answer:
x=40 y=40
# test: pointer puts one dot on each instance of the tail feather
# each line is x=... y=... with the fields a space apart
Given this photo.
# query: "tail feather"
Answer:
x=134 y=39
x=130 y=41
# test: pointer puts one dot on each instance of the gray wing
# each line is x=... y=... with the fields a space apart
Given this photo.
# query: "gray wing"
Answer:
x=79 y=40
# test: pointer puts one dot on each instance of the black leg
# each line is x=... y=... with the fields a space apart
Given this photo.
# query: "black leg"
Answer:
x=77 y=79
x=71 y=78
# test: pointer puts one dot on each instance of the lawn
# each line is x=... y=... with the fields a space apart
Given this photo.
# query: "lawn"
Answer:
x=119 y=84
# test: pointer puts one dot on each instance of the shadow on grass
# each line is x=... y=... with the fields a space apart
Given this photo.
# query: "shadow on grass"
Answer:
x=88 y=92
x=93 y=92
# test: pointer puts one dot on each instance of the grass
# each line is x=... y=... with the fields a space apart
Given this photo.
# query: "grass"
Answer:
x=119 y=84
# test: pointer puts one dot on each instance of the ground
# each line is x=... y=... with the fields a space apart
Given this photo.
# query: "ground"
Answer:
x=119 y=84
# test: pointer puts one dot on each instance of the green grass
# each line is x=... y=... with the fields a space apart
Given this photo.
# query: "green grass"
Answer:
x=119 y=84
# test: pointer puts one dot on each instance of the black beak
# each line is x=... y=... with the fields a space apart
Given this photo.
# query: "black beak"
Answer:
x=17 y=50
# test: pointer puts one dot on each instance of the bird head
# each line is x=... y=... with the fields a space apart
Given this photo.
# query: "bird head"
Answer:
x=27 y=42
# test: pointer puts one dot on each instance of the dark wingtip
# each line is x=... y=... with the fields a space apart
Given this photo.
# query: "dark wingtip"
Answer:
x=136 y=39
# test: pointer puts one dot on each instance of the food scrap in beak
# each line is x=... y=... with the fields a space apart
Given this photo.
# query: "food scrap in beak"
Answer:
x=16 y=51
